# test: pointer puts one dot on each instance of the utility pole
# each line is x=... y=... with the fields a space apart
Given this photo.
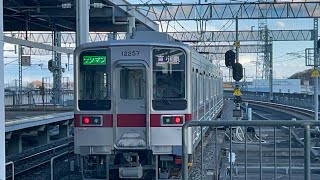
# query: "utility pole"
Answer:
x=271 y=71
x=82 y=18
x=57 y=71
x=2 y=116
x=237 y=73
x=316 y=78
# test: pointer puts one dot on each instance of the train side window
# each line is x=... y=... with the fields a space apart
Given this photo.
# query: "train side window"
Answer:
x=194 y=90
x=207 y=87
x=211 y=87
x=201 y=88
x=214 y=87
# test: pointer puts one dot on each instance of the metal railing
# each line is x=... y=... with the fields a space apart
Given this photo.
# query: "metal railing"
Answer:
x=52 y=163
x=43 y=156
x=36 y=99
x=12 y=168
x=267 y=143
x=297 y=100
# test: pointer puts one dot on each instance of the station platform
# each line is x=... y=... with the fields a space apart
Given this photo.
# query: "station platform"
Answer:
x=18 y=120
x=27 y=128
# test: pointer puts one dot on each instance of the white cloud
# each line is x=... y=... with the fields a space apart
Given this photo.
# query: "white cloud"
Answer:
x=280 y=24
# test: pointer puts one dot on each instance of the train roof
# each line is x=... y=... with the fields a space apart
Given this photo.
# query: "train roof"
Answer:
x=151 y=38
x=139 y=38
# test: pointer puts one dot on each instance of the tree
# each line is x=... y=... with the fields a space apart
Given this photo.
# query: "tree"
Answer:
x=304 y=76
x=35 y=84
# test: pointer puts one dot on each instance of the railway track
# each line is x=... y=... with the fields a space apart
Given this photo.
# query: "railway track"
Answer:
x=36 y=165
x=296 y=112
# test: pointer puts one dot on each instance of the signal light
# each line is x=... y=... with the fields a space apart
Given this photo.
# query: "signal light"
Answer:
x=237 y=72
x=86 y=120
x=230 y=57
x=177 y=120
x=50 y=65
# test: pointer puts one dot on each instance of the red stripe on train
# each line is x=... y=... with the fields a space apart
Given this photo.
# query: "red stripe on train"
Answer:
x=128 y=120
x=131 y=120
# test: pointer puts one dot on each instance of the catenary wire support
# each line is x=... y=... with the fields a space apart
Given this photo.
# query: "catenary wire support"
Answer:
x=131 y=23
x=57 y=71
x=19 y=93
x=316 y=78
x=82 y=16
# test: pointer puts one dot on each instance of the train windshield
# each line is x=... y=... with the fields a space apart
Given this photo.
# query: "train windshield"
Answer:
x=94 y=81
x=169 y=74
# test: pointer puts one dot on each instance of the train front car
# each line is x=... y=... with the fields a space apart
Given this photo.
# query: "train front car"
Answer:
x=132 y=98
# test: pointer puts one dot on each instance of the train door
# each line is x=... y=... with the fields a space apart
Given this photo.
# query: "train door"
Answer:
x=131 y=114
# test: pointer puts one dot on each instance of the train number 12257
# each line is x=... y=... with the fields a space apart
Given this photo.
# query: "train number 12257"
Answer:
x=130 y=53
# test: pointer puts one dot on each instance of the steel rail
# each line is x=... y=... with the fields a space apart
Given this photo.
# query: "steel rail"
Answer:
x=32 y=156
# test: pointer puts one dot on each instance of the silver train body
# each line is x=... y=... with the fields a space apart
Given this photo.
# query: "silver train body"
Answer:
x=132 y=98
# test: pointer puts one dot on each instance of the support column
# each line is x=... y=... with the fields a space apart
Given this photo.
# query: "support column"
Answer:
x=57 y=73
x=316 y=78
x=237 y=43
x=63 y=131
x=237 y=38
x=131 y=23
x=20 y=53
x=271 y=71
x=15 y=144
x=43 y=137
x=2 y=116
x=82 y=32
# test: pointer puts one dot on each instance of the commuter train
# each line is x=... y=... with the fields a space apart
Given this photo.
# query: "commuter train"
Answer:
x=132 y=98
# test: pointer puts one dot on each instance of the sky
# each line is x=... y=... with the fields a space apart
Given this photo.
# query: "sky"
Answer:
x=284 y=64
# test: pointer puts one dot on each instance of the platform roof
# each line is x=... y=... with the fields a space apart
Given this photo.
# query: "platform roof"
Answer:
x=47 y=15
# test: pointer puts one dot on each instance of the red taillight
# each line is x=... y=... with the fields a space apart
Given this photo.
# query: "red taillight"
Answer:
x=86 y=120
x=172 y=120
x=177 y=120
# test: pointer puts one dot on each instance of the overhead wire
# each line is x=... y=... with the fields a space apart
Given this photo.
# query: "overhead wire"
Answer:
x=223 y=27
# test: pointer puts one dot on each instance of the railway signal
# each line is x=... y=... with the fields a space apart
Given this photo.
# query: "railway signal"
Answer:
x=50 y=65
x=237 y=72
x=230 y=58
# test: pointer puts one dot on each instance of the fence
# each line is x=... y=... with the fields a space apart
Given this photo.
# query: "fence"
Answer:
x=36 y=99
x=264 y=147
x=297 y=100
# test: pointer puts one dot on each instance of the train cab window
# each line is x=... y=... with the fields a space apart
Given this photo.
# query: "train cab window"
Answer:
x=132 y=84
x=169 y=79
x=94 y=83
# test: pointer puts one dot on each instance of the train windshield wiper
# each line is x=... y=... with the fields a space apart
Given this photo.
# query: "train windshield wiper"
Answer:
x=164 y=98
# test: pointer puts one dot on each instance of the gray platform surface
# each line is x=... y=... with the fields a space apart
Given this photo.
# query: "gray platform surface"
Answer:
x=15 y=115
x=227 y=110
x=18 y=120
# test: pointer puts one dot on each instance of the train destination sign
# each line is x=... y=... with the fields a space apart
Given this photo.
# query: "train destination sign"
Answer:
x=94 y=60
